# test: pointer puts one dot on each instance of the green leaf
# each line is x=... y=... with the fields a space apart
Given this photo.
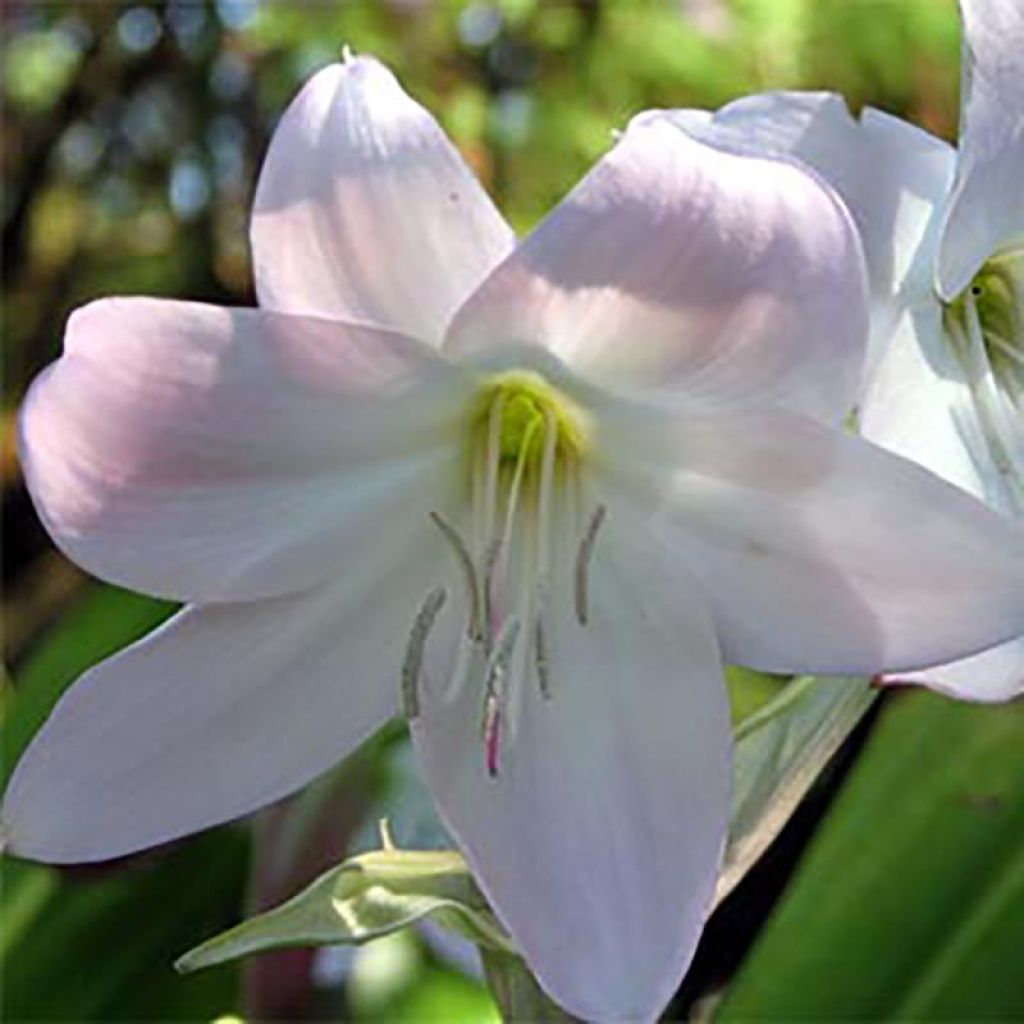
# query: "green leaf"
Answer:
x=98 y=943
x=780 y=750
x=910 y=904
x=366 y=897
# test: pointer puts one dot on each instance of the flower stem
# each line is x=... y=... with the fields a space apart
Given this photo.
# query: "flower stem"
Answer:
x=516 y=992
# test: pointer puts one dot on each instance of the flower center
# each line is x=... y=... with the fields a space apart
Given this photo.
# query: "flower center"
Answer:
x=527 y=407
x=526 y=443
x=985 y=325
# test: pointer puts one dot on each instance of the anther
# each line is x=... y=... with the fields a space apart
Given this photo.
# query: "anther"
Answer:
x=497 y=667
x=583 y=556
x=465 y=561
x=492 y=734
x=413 y=662
x=540 y=656
x=497 y=663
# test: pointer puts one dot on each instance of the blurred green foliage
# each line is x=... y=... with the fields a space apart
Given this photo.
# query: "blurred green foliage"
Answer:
x=910 y=905
x=131 y=139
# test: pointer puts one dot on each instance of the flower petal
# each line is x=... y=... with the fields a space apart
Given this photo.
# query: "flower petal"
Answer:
x=365 y=211
x=991 y=676
x=675 y=265
x=210 y=454
x=893 y=177
x=986 y=210
x=599 y=840
x=222 y=710
x=918 y=404
x=820 y=552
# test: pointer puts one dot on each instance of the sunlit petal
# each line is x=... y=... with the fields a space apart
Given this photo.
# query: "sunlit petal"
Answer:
x=823 y=553
x=204 y=453
x=682 y=267
x=986 y=210
x=893 y=176
x=599 y=840
x=365 y=211
x=919 y=405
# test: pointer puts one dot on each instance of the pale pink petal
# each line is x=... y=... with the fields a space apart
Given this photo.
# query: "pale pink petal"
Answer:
x=986 y=210
x=919 y=404
x=203 y=453
x=893 y=177
x=820 y=552
x=992 y=676
x=364 y=210
x=678 y=266
x=598 y=842
x=224 y=709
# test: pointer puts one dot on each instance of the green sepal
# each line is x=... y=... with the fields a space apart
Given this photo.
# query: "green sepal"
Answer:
x=366 y=897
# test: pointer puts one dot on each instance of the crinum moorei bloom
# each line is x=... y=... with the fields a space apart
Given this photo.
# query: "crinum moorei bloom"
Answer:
x=943 y=233
x=530 y=494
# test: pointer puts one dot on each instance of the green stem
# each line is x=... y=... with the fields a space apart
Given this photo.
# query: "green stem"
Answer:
x=516 y=992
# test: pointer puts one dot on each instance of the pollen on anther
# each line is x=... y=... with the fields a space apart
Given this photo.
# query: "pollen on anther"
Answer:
x=583 y=556
x=492 y=734
x=540 y=657
x=413 y=662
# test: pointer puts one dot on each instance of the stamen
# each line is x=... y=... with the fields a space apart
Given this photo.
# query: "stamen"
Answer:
x=583 y=557
x=543 y=550
x=492 y=734
x=469 y=574
x=490 y=564
x=479 y=475
x=540 y=655
x=413 y=662
x=547 y=468
x=493 y=462
x=497 y=663
x=497 y=668
x=974 y=331
x=1005 y=347
x=517 y=480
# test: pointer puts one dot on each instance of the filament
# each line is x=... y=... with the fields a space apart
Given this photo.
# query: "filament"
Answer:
x=490 y=567
x=493 y=462
x=517 y=481
x=465 y=561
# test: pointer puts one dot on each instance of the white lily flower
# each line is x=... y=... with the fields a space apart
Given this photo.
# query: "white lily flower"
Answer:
x=943 y=232
x=531 y=494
